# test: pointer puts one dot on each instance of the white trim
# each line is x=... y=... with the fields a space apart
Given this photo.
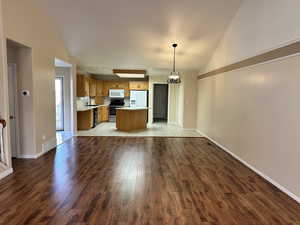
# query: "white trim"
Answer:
x=17 y=110
x=5 y=173
x=259 y=64
x=281 y=45
x=23 y=156
x=173 y=124
x=169 y=105
x=46 y=147
x=190 y=129
x=169 y=94
x=279 y=186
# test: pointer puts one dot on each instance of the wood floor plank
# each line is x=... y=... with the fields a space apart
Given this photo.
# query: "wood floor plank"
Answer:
x=140 y=181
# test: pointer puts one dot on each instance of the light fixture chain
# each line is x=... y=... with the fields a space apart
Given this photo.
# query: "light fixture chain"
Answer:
x=174 y=69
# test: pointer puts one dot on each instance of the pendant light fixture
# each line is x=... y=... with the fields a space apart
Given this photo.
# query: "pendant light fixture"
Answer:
x=174 y=77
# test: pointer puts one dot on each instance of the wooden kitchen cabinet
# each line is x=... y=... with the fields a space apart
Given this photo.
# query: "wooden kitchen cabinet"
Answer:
x=99 y=99
x=103 y=113
x=82 y=85
x=125 y=86
x=139 y=85
x=85 y=120
x=92 y=87
x=99 y=116
x=107 y=85
x=99 y=88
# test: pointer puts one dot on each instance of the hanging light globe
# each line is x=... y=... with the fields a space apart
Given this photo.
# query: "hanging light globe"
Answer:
x=174 y=77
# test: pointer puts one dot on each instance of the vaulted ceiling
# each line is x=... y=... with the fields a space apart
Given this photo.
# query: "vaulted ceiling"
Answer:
x=137 y=34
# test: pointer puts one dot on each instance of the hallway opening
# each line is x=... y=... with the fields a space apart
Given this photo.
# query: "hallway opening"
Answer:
x=160 y=103
x=63 y=101
x=20 y=86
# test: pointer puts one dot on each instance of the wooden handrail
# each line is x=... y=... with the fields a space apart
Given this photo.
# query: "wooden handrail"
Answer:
x=3 y=122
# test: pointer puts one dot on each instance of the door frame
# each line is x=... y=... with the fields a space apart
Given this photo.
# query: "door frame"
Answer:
x=153 y=84
x=63 y=101
x=16 y=105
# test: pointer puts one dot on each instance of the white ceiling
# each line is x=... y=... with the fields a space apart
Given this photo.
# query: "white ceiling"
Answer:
x=137 y=34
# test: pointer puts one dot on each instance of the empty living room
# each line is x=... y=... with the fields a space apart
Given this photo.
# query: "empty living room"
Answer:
x=134 y=112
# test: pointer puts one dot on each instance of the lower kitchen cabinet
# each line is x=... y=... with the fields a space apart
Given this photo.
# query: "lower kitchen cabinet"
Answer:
x=103 y=114
x=99 y=118
x=85 y=120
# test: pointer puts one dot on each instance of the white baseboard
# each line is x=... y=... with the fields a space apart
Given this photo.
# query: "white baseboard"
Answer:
x=173 y=124
x=190 y=129
x=23 y=156
x=6 y=172
x=50 y=144
x=279 y=186
x=46 y=147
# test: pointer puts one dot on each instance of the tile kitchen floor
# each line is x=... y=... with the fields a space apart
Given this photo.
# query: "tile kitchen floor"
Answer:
x=154 y=130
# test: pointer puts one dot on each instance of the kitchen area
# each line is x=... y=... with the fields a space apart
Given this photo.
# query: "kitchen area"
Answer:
x=121 y=102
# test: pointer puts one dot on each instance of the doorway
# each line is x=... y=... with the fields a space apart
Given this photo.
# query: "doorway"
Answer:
x=64 y=101
x=160 y=102
x=59 y=103
x=13 y=108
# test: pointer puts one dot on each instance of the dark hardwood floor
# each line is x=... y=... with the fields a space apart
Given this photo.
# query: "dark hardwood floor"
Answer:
x=140 y=181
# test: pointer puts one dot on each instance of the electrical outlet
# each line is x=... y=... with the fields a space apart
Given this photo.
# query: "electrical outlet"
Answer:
x=44 y=137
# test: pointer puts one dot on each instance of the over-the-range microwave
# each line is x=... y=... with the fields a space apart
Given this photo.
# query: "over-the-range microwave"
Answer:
x=116 y=93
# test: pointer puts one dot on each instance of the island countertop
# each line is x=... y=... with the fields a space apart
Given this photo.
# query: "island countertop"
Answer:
x=85 y=108
x=133 y=108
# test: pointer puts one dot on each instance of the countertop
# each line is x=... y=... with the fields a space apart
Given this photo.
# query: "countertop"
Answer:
x=133 y=108
x=85 y=108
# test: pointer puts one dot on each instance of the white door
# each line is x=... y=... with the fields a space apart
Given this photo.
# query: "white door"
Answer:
x=59 y=103
x=12 y=86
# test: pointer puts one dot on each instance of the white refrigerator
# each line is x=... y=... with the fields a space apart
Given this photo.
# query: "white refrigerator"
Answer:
x=138 y=99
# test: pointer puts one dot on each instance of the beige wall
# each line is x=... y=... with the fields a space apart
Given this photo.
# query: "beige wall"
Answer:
x=254 y=111
x=175 y=114
x=189 y=103
x=26 y=23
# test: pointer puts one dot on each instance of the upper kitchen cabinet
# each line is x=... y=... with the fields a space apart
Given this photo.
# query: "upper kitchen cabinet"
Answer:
x=83 y=85
x=139 y=85
x=93 y=87
x=99 y=100
x=107 y=85
x=99 y=89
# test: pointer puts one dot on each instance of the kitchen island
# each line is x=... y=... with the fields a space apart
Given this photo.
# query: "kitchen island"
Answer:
x=131 y=118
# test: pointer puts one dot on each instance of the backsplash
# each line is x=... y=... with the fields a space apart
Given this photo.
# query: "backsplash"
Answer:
x=106 y=101
x=82 y=102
